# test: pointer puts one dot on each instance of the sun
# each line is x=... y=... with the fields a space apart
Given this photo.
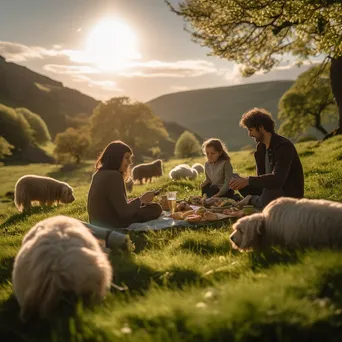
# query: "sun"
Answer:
x=112 y=44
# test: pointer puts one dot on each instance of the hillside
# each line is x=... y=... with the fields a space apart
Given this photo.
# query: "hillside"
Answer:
x=59 y=106
x=21 y=87
x=216 y=112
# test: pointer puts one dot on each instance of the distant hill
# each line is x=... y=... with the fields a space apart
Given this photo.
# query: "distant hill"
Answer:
x=59 y=106
x=21 y=87
x=216 y=112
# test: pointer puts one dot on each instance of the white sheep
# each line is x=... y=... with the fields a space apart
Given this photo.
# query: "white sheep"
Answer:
x=290 y=222
x=58 y=256
x=44 y=190
x=183 y=171
x=198 y=167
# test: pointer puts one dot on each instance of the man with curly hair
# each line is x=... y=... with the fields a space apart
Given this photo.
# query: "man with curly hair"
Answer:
x=279 y=170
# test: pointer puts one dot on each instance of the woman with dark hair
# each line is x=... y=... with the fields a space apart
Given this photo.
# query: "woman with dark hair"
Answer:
x=107 y=199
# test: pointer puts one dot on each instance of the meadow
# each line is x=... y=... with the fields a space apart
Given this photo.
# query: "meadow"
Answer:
x=188 y=284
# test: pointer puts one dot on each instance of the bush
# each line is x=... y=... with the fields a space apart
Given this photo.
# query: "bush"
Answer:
x=71 y=143
x=39 y=128
x=5 y=148
x=14 y=128
x=187 y=146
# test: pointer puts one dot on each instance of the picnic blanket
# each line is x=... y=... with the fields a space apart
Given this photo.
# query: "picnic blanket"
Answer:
x=164 y=221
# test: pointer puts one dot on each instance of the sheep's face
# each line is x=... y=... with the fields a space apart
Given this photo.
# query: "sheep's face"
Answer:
x=67 y=195
x=247 y=232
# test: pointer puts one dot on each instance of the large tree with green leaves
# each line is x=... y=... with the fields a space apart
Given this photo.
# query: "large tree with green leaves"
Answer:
x=308 y=103
x=72 y=142
x=258 y=33
x=132 y=122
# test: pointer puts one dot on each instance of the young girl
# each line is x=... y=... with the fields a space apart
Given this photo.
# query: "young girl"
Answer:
x=107 y=200
x=218 y=170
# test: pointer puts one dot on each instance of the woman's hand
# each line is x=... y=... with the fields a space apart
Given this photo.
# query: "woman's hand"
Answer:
x=147 y=197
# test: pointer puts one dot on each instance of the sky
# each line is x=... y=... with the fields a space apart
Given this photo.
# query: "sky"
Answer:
x=109 y=48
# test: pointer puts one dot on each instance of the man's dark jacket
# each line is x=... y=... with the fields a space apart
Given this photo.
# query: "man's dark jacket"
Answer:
x=286 y=178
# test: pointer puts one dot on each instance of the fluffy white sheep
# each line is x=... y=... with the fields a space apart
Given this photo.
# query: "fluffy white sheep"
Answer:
x=183 y=171
x=290 y=222
x=147 y=171
x=58 y=256
x=198 y=167
x=44 y=190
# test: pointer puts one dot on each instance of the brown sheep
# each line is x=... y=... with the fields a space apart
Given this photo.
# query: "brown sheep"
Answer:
x=45 y=190
x=147 y=171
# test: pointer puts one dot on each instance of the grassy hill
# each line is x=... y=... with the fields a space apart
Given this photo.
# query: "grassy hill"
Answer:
x=187 y=284
x=216 y=112
x=59 y=106
x=56 y=104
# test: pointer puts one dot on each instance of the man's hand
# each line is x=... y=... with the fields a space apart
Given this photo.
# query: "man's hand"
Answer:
x=147 y=197
x=238 y=183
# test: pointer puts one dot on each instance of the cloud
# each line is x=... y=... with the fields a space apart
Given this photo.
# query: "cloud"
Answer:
x=71 y=69
x=105 y=85
x=186 y=68
x=16 y=52
x=179 y=88
x=287 y=70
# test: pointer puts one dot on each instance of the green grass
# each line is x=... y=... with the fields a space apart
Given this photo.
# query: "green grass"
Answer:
x=187 y=284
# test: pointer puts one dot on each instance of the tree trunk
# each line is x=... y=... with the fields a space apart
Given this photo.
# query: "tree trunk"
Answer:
x=336 y=87
x=319 y=126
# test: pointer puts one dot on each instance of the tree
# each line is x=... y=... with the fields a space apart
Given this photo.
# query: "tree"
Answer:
x=40 y=132
x=187 y=146
x=5 y=148
x=14 y=128
x=258 y=33
x=132 y=122
x=73 y=143
x=307 y=104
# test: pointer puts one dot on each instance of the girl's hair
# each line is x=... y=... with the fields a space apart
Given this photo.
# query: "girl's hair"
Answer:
x=218 y=146
x=112 y=155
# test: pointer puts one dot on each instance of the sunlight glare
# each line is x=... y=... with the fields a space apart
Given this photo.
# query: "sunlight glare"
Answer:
x=112 y=44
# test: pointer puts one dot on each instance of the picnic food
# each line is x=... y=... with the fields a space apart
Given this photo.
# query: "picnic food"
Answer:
x=196 y=200
x=187 y=213
x=200 y=211
x=177 y=215
x=183 y=206
x=248 y=209
x=209 y=216
x=233 y=212
x=194 y=218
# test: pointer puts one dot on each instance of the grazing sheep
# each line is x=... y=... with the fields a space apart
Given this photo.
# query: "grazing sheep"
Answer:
x=45 y=190
x=290 y=222
x=183 y=171
x=147 y=171
x=129 y=184
x=198 y=167
x=58 y=257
